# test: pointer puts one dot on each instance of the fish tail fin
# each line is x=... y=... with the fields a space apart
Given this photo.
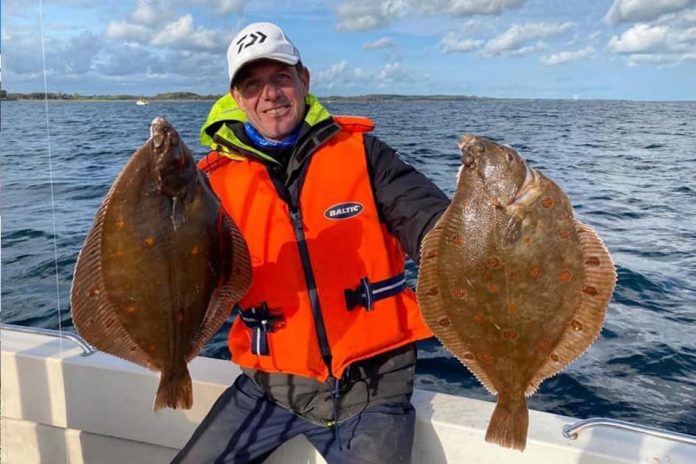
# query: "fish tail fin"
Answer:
x=509 y=423
x=175 y=390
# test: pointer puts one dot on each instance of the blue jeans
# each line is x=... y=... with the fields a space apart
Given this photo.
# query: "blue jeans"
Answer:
x=245 y=427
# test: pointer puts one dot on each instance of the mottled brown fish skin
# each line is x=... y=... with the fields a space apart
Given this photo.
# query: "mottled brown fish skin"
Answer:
x=162 y=266
x=510 y=282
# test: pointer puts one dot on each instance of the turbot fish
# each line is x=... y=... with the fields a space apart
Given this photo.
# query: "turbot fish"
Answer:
x=161 y=267
x=510 y=282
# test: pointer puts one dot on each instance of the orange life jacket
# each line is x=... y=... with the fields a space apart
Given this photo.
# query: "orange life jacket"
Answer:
x=327 y=285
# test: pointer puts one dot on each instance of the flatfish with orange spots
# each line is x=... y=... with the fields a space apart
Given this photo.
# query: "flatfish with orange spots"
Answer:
x=161 y=267
x=510 y=282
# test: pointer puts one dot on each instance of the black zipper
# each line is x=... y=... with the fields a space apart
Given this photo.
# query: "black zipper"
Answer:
x=298 y=228
x=300 y=239
x=319 y=325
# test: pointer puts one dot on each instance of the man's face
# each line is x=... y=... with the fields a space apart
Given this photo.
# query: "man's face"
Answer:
x=272 y=95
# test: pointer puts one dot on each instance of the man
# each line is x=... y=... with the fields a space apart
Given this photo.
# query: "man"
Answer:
x=326 y=334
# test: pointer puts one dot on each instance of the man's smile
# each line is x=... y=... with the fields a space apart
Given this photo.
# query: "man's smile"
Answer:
x=276 y=110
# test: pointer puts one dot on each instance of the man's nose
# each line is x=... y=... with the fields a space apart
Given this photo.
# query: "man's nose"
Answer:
x=271 y=90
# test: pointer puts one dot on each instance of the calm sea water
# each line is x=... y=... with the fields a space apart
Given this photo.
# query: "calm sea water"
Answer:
x=628 y=168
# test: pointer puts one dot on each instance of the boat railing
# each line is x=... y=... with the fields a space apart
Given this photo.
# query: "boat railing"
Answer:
x=86 y=348
x=571 y=431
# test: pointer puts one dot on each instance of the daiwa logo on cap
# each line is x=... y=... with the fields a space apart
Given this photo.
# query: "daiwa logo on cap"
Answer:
x=344 y=210
x=248 y=40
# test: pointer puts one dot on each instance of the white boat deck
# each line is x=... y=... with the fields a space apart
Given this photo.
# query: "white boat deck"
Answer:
x=59 y=407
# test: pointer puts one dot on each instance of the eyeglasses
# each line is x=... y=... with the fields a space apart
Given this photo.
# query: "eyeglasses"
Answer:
x=254 y=85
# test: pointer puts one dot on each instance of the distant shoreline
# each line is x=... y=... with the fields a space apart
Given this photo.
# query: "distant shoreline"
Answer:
x=59 y=96
x=190 y=96
x=370 y=98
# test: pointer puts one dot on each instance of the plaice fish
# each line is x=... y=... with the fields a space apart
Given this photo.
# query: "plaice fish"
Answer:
x=161 y=267
x=510 y=282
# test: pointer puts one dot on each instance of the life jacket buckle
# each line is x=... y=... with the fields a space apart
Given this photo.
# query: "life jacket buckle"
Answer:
x=367 y=293
x=262 y=320
x=360 y=296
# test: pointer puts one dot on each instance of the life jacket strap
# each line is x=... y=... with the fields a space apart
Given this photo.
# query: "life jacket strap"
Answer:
x=367 y=293
x=261 y=320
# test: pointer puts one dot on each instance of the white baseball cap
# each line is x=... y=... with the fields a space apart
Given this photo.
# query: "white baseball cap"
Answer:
x=257 y=41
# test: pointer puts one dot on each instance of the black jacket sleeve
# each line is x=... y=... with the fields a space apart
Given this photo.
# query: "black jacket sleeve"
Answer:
x=409 y=203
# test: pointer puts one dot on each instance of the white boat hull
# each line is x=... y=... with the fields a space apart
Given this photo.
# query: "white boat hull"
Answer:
x=61 y=407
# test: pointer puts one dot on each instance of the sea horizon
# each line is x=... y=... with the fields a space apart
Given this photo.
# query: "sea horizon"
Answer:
x=360 y=98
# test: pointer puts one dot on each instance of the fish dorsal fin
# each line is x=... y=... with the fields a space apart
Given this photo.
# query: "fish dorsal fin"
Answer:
x=430 y=298
x=583 y=329
x=91 y=307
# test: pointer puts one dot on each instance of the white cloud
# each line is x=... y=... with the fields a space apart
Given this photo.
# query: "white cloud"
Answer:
x=144 y=21
x=451 y=43
x=131 y=50
x=688 y=16
x=644 y=58
x=686 y=37
x=23 y=57
x=527 y=49
x=662 y=60
x=594 y=36
x=567 y=56
x=186 y=63
x=154 y=12
x=72 y=56
x=344 y=75
x=516 y=39
x=468 y=7
x=225 y=6
x=335 y=70
x=182 y=34
x=477 y=25
x=384 y=42
x=122 y=30
x=363 y=15
x=364 y=22
x=639 y=39
x=341 y=73
x=147 y=13
x=79 y=53
x=179 y=34
x=125 y=60
x=655 y=44
x=393 y=72
x=643 y=10
x=154 y=22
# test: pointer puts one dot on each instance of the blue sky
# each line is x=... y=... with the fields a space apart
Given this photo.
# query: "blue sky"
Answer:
x=609 y=49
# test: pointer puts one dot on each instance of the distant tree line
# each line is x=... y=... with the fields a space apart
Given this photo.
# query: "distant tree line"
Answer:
x=385 y=97
x=194 y=96
x=76 y=96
